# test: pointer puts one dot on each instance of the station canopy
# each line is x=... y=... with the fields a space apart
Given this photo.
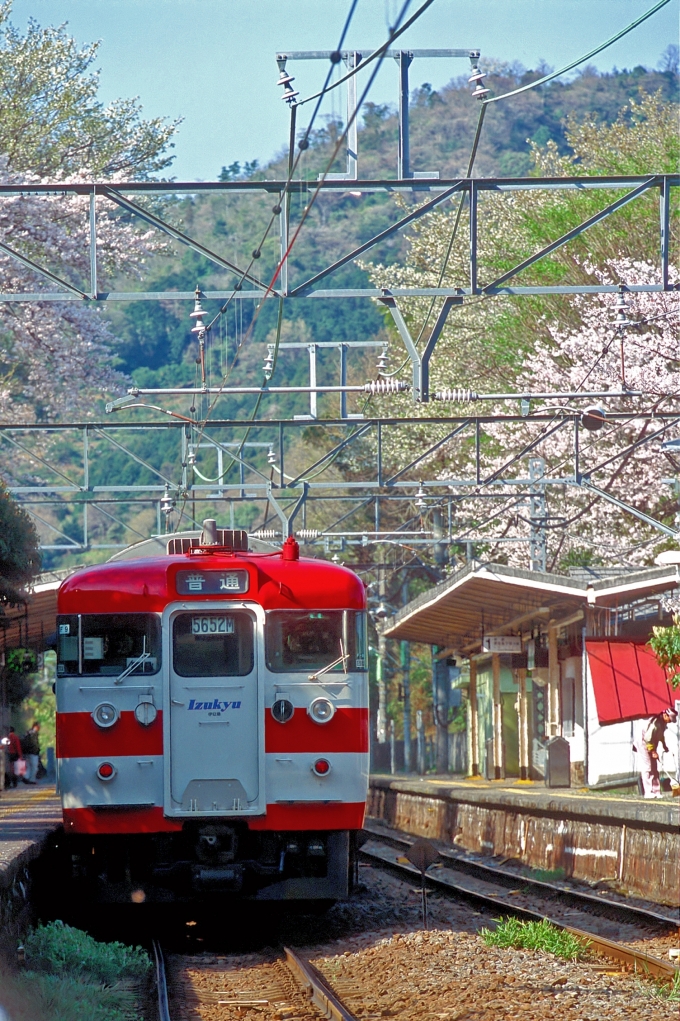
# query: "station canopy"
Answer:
x=483 y=598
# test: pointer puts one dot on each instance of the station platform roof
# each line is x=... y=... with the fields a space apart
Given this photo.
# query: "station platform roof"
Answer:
x=490 y=598
x=27 y=625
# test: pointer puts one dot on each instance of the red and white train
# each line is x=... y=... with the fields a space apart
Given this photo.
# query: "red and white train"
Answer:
x=212 y=721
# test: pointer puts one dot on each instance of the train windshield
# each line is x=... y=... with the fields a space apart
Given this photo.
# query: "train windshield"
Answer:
x=212 y=644
x=303 y=641
x=108 y=644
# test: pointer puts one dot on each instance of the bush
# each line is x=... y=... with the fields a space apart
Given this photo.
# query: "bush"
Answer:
x=512 y=932
x=56 y=948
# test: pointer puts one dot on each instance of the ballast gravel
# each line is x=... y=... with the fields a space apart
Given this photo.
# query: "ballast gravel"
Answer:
x=373 y=951
x=453 y=976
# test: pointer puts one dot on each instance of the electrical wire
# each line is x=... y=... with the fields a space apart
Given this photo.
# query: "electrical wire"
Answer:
x=394 y=33
x=587 y=56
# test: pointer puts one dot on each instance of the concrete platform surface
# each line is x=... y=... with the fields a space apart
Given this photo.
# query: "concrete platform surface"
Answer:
x=537 y=798
x=27 y=816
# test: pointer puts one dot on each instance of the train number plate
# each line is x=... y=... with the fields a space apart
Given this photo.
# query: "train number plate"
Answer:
x=212 y=625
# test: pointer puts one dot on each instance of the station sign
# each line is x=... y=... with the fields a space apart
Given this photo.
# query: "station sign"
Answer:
x=502 y=643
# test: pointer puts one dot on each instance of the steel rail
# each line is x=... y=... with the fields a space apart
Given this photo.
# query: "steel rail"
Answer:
x=637 y=959
x=161 y=983
x=497 y=873
x=315 y=986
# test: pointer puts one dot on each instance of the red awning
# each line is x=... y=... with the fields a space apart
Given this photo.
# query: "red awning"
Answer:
x=628 y=682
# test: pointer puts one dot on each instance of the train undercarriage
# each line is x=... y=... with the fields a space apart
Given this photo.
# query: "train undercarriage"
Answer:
x=208 y=860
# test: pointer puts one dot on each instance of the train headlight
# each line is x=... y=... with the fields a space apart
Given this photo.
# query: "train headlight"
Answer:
x=106 y=771
x=145 y=713
x=321 y=767
x=282 y=710
x=321 y=710
x=105 y=714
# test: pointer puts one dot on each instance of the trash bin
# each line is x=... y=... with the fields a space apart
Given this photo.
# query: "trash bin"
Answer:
x=557 y=763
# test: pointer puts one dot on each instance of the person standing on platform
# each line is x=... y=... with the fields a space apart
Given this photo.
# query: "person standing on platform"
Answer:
x=647 y=747
x=13 y=749
x=31 y=749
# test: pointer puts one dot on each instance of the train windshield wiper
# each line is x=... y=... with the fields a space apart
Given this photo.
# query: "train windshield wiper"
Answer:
x=342 y=658
x=135 y=663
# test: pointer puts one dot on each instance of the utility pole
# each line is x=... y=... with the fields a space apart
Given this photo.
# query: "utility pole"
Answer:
x=441 y=553
x=406 y=683
x=440 y=692
x=538 y=552
x=381 y=722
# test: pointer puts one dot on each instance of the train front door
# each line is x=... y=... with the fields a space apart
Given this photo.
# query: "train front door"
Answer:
x=214 y=739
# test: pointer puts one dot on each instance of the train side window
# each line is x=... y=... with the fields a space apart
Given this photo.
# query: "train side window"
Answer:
x=304 y=641
x=108 y=643
x=208 y=644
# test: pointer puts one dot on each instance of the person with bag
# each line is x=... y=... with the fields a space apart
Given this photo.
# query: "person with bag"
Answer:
x=30 y=747
x=13 y=749
x=647 y=747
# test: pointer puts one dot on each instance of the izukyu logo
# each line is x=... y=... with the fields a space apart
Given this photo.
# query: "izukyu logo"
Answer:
x=214 y=708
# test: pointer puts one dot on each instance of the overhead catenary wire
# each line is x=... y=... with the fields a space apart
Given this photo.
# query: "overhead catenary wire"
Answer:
x=292 y=167
x=586 y=56
x=311 y=201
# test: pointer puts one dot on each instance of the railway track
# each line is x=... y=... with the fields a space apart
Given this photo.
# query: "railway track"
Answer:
x=279 y=989
x=588 y=917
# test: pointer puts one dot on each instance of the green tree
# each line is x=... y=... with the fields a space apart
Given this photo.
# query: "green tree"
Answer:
x=19 y=554
x=50 y=119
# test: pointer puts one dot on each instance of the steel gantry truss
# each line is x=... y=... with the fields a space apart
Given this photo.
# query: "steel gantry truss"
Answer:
x=285 y=496
x=433 y=194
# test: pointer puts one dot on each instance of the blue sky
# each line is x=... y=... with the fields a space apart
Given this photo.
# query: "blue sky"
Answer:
x=212 y=62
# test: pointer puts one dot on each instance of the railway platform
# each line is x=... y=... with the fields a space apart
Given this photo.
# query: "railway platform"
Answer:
x=596 y=837
x=28 y=815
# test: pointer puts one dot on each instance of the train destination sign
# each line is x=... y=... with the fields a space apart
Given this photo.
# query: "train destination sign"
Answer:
x=194 y=583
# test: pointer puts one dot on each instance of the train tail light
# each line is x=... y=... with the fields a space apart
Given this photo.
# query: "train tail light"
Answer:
x=106 y=771
x=321 y=767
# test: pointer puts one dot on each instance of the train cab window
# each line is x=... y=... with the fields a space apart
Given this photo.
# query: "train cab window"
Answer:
x=212 y=644
x=304 y=641
x=108 y=644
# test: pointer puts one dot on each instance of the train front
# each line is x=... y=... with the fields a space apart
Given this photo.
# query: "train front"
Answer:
x=212 y=723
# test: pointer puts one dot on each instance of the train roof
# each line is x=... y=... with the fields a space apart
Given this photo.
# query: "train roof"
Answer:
x=149 y=582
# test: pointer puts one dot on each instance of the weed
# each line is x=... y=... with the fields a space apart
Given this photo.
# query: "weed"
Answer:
x=512 y=932
x=548 y=875
x=56 y=948
x=661 y=989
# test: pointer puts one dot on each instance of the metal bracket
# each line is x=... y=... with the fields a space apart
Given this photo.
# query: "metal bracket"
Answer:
x=420 y=362
x=287 y=520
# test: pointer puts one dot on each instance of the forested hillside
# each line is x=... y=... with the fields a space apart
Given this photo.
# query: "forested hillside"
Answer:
x=155 y=339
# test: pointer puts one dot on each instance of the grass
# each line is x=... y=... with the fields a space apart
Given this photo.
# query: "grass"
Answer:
x=56 y=948
x=512 y=932
x=69 y=976
x=659 y=989
x=548 y=875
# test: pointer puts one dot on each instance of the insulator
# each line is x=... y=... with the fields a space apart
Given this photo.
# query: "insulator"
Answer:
x=383 y=360
x=456 y=394
x=385 y=386
x=477 y=74
x=271 y=456
x=268 y=367
x=308 y=533
x=285 y=78
x=622 y=320
x=265 y=533
x=479 y=92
